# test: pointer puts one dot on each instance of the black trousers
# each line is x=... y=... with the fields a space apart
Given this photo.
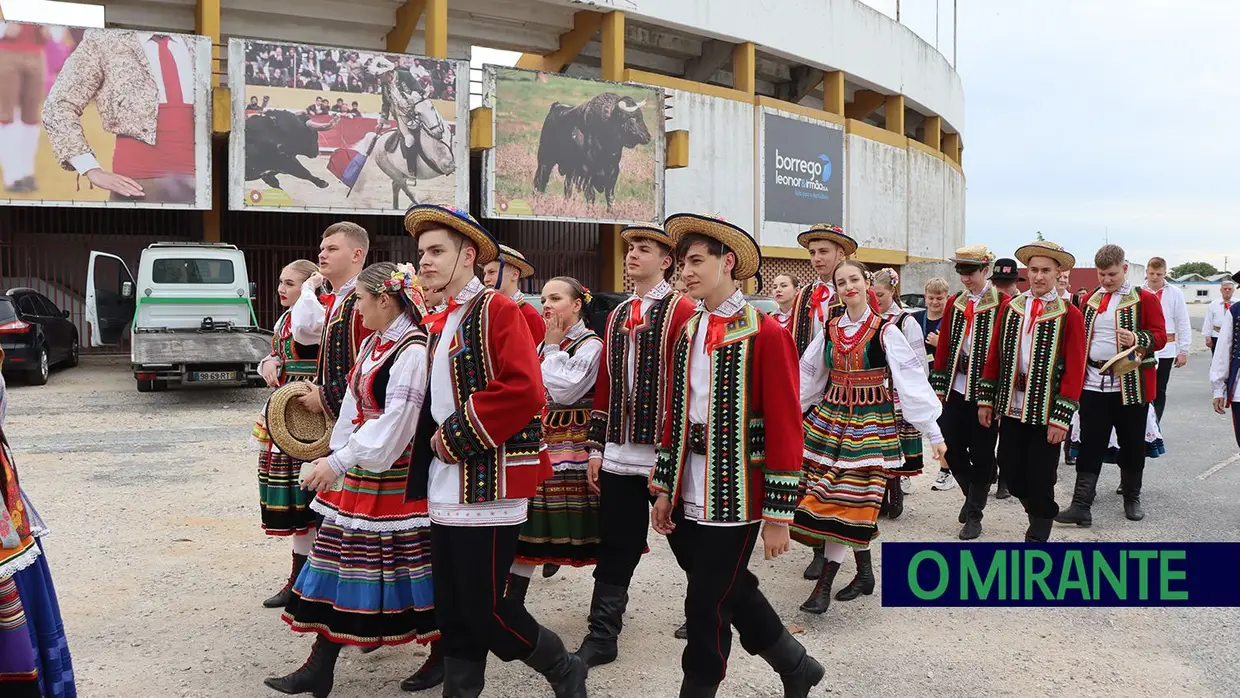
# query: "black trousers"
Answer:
x=1164 y=377
x=970 y=446
x=1101 y=412
x=1028 y=465
x=470 y=571
x=722 y=594
x=624 y=520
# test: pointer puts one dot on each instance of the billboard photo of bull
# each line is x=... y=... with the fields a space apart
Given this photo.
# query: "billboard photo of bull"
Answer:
x=340 y=130
x=573 y=149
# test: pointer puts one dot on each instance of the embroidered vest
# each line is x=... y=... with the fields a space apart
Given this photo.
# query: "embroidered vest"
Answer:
x=1234 y=370
x=577 y=414
x=370 y=388
x=1127 y=317
x=337 y=353
x=973 y=364
x=645 y=403
x=802 y=322
x=1046 y=364
x=858 y=365
x=298 y=361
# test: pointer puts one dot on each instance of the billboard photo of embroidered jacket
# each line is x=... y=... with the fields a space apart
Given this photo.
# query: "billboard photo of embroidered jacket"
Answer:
x=1141 y=313
x=949 y=357
x=1055 y=375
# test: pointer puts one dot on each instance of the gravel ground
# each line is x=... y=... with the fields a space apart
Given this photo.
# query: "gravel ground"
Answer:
x=161 y=565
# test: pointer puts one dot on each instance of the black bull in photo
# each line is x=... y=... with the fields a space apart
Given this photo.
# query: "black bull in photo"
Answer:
x=585 y=143
x=274 y=139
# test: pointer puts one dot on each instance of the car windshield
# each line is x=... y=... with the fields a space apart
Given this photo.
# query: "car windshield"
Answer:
x=7 y=312
x=192 y=271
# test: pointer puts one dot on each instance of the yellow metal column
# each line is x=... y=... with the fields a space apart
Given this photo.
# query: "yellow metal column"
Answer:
x=613 y=46
x=611 y=247
x=611 y=257
x=744 y=68
x=407 y=17
x=932 y=132
x=207 y=23
x=437 y=28
x=833 y=92
x=951 y=146
x=894 y=114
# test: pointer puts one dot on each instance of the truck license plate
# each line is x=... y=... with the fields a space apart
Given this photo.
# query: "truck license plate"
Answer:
x=215 y=376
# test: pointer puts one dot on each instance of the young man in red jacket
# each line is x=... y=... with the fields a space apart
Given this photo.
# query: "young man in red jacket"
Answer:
x=477 y=459
x=504 y=274
x=730 y=460
x=1118 y=317
x=1032 y=383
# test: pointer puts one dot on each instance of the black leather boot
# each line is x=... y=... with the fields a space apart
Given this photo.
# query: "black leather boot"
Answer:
x=1039 y=530
x=316 y=676
x=550 y=570
x=606 y=620
x=799 y=671
x=814 y=569
x=885 y=508
x=682 y=633
x=863 y=582
x=462 y=678
x=1002 y=491
x=895 y=498
x=1130 y=482
x=429 y=675
x=692 y=690
x=1082 y=498
x=517 y=587
x=281 y=599
x=565 y=672
x=820 y=598
x=975 y=502
x=964 y=490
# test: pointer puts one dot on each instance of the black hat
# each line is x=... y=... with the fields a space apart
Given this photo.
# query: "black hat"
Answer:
x=1236 y=277
x=1005 y=270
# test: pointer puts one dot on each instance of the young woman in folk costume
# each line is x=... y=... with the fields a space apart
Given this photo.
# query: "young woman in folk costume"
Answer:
x=368 y=580
x=785 y=294
x=563 y=523
x=34 y=654
x=886 y=284
x=849 y=376
x=285 y=506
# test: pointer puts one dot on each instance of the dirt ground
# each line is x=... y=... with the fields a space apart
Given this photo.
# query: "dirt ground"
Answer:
x=161 y=566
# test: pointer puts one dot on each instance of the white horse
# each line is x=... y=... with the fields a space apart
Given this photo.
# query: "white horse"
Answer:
x=432 y=153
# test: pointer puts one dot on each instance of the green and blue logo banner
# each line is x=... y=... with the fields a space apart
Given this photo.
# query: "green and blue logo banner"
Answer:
x=1060 y=574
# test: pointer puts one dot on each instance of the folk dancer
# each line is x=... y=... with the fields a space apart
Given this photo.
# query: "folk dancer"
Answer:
x=1032 y=383
x=732 y=419
x=1005 y=277
x=1225 y=365
x=1217 y=314
x=936 y=291
x=1118 y=316
x=504 y=274
x=1175 y=319
x=817 y=304
x=284 y=505
x=886 y=287
x=849 y=377
x=563 y=523
x=967 y=331
x=785 y=293
x=368 y=581
x=478 y=457
x=1062 y=282
x=625 y=426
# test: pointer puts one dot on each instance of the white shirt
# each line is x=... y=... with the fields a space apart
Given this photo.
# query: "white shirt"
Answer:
x=1175 y=317
x=693 y=487
x=911 y=329
x=629 y=458
x=918 y=403
x=966 y=346
x=308 y=313
x=568 y=378
x=444 y=491
x=1216 y=315
x=1220 y=363
x=1105 y=344
x=185 y=73
x=378 y=442
x=1026 y=349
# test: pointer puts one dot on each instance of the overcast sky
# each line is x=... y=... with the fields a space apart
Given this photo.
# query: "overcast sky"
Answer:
x=1089 y=116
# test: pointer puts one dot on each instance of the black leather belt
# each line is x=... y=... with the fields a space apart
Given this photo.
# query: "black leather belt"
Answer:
x=1097 y=364
x=697 y=439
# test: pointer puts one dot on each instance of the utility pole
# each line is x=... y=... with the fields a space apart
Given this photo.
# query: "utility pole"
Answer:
x=955 y=25
x=936 y=25
x=897 y=11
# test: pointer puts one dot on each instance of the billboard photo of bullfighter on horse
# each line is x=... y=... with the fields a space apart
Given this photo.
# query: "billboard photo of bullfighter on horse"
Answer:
x=342 y=130
x=573 y=149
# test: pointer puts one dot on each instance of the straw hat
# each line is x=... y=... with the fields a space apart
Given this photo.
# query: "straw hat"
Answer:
x=975 y=255
x=832 y=233
x=1044 y=248
x=748 y=256
x=515 y=259
x=298 y=432
x=631 y=233
x=1124 y=362
x=422 y=217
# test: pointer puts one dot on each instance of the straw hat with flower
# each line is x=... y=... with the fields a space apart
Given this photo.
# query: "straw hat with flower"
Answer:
x=742 y=244
x=1045 y=248
x=831 y=233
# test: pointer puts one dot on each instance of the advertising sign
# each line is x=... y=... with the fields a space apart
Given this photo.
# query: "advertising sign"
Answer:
x=571 y=149
x=802 y=170
x=345 y=131
x=104 y=118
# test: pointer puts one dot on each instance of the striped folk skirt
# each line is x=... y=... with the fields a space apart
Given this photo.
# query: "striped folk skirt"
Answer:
x=19 y=672
x=47 y=629
x=842 y=507
x=368 y=579
x=284 y=505
x=562 y=527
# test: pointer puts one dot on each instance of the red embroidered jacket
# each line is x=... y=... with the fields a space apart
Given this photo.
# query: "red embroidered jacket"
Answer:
x=949 y=356
x=1139 y=312
x=538 y=326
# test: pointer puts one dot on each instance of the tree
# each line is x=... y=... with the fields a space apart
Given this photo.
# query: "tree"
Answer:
x=1203 y=268
x=1040 y=238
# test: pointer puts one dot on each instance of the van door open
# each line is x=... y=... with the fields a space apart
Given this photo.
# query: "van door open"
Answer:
x=111 y=299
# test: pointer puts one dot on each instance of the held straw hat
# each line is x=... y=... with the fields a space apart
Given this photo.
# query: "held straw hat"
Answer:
x=422 y=217
x=298 y=432
x=748 y=255
x=1124 y=362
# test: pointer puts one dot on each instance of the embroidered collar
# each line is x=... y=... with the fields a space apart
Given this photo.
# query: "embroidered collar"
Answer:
x=473 y=288
x=980 y=294
x=893 y=311
x=518 y=296
x=846 y=321
x=346 y=288
x=399 y=327
x=658 y=293
x=576 y=331
x=1046 y=297
x=733 y=305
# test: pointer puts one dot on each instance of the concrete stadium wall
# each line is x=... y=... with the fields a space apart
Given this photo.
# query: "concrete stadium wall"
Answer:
x=720 y=176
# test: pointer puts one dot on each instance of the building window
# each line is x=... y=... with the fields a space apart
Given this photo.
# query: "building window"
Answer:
x=1203 y=293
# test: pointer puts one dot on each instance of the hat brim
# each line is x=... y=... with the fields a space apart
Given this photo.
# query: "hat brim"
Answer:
x=1066 y=259
x=1007 y=277
x=1124 y=362
x=284 y=400
x=423 y=217
x=632 y=233
x=524 y=268
x=846 y=243
x=969 y=262
x=748 y=256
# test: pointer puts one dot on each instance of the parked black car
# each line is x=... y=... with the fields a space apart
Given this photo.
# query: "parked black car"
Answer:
x=35 y=335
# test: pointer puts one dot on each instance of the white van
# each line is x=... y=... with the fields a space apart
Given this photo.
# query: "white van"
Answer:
x=190 y=312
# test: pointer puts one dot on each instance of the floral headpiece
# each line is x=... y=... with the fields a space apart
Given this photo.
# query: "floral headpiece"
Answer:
x=585 y=292
x=895 y=276
x=404 y=283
